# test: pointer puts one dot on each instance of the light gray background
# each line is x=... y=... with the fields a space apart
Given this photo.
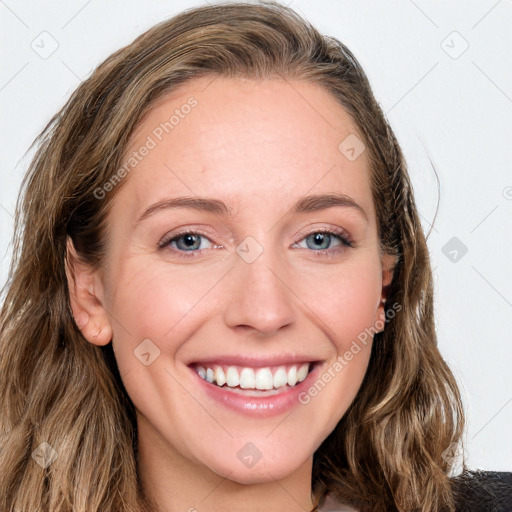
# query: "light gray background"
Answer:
x=442 y=99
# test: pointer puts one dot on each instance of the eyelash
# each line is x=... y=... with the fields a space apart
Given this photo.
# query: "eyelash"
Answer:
x=325 y=253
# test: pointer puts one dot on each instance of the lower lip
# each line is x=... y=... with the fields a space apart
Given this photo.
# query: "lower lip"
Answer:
x=261 y=407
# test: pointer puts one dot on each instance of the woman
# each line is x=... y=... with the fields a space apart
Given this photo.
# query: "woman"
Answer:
x=175 y=335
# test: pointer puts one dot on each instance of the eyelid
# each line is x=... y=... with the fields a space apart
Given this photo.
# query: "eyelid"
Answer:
x=186 y=231
x=346 y=240
x=336 y=230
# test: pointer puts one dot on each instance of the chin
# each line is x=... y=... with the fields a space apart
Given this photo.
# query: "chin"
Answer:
x=259 y=470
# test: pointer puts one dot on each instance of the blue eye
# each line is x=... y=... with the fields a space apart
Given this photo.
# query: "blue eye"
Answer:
x=183 y=243
x=323 y=239
x=188 y=243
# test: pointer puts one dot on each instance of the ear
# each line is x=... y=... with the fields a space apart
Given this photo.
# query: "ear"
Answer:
x=388 y=266
x=86 y=296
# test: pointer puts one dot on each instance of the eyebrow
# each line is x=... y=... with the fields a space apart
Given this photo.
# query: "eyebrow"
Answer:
x=305 y=204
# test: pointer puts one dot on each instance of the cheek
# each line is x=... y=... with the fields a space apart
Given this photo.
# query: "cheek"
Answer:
x=154 y=311
x=344 y=300
x=345 y=307
x=154 y=302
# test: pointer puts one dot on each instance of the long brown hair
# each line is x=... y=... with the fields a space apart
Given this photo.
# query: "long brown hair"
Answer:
x=62 y=399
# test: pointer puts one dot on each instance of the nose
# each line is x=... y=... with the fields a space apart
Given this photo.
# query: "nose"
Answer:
x=261 y=296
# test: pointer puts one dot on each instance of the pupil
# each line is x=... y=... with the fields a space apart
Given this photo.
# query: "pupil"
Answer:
x=189 y=240
x=320 y=237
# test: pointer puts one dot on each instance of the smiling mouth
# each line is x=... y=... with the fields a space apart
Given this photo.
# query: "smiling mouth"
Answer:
x=261 y=381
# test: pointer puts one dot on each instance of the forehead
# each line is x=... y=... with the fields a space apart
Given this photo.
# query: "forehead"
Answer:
x=244 y=142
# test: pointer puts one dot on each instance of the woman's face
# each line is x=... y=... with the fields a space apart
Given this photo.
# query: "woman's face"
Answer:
x=255 y=288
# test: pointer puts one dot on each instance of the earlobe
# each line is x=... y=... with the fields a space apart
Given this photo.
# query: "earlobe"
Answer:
x=85 y=296
x=388 y=265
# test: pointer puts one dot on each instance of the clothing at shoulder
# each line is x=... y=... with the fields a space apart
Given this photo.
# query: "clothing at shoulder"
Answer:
x=474 y=491
x=483 y=491
x=332 y=505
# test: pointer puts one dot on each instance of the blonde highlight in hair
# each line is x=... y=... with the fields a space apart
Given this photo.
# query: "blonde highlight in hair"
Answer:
x=385 y=454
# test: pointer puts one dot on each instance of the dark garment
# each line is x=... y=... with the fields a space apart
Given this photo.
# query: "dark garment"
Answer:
x=483 y=491
x=474 y=491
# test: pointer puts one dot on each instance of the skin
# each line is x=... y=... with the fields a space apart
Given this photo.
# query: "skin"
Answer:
x=258 y=146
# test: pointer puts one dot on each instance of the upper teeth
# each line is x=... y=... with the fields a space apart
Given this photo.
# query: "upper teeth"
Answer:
x=254 y=378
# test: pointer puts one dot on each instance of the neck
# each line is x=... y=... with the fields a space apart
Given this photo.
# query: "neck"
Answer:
x=172 y=482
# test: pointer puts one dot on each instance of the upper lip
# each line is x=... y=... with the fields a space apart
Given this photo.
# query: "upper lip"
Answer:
x=255 y=361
